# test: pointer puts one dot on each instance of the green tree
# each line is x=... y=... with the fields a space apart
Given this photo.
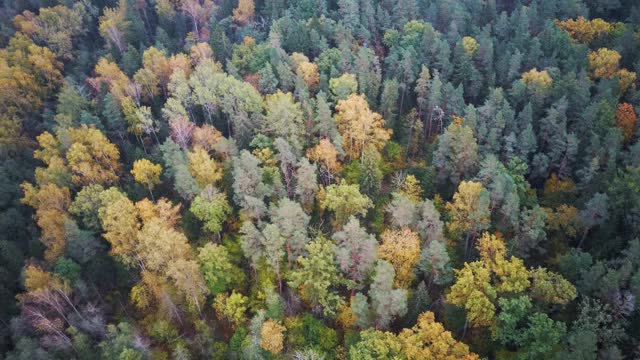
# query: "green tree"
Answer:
x=211 y=207
x=219 y=272
x=345 y=200
x=387 y=303
x=284 y=118
x=456 y=157
x=318 y=276
x=357 y=250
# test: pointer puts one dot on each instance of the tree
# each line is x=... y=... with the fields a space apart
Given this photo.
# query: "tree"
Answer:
x=357 y=251
x=473 y=291
x=551 y=288
x=603 y=63
x=470 y=212
x=326 y=156
x=187 y=278
x=435 y=263
x=539 y=81
x=273 y=248
x=359 y=126
x=205 y=170
x=386 y=302
x=482 y=286
x=370 y=171
x=119 y=218
x=248 y=188
x=292 y=223
x=344 y=86
x=272 y=336
x=307 y=183
x=429 y=340
x=113 y=26
x=92 y=158
x=110 y=74
x=232 y=307
x=244 y=13
x=540 y=335
x=318 y=275
x=584 y=30
x=429 y=225
x=219 y=272
x=401 y=248
x=375 y=344
x=456 y=157
x=86 y=206
x=177 y=166
x=120 y=342
x=470 y=46
x=402 y=211
x=345 y=200
x=58 y=27
x=531 y=232
x=51 y=204
x=211 y=207
x=503 y=192
x=626 y=120
x=287 y=159
x=310 y=74
x=70 y=107
x=284 y=118
x=147 y=173
x=595 y=213
x=199 y=12
x=167 y=256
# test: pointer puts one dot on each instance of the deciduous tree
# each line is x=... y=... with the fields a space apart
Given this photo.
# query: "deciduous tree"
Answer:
x=51 y=204
x=429 y=340
x=469 y=211
x=205 y=170
x=318 y=276
x=244 y=13
x=219 y=272
x=326 y=156
x=147 y=173
x=359 y=126
x=272 y=337
x=626 y=120
x=345 y=200
x=211 y=207
x=401 y=248
x=284 y=118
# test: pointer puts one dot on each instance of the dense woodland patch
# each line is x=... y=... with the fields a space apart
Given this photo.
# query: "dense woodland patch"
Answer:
x=319 y=179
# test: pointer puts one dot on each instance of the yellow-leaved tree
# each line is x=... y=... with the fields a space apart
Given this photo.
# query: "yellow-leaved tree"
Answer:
x=92 y=158
x=272 y=336
x=429 y=340
x=147 y=173
x=204 y=169
x=51 y=204
x=584 y=30
x=359 y=126
x=244 y=13
x=325 y=155
x=401 y=248
x=481 y=284
x=469 y=211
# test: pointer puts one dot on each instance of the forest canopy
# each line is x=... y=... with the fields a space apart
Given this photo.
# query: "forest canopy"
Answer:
x=319 y=179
